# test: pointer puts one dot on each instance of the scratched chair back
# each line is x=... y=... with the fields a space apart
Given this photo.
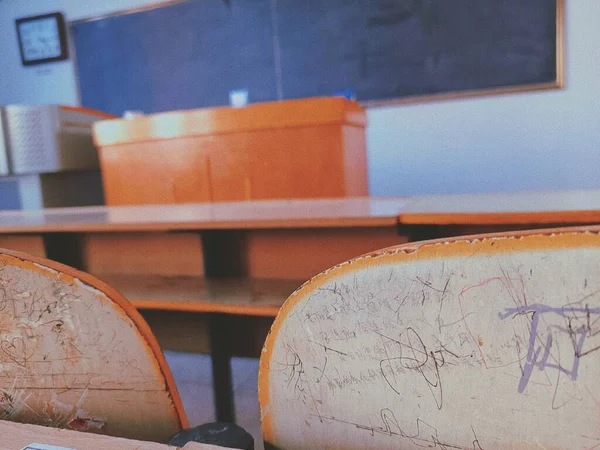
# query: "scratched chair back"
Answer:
x=75 y=354
x=486 y=342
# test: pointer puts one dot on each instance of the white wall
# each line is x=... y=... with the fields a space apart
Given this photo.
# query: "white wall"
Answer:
x=531 y=141
x=50 y=83
x=541 y=140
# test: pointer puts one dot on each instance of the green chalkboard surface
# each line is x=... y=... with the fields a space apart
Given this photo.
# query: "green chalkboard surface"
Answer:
x=191 y=54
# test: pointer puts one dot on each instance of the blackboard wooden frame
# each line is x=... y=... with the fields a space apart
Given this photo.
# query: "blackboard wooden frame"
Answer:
x=558 y=83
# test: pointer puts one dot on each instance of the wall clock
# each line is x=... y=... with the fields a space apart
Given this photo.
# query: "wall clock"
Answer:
x=42 y=39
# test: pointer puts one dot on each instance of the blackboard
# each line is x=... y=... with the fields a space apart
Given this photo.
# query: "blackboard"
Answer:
x=192 y=54
x=181 y=56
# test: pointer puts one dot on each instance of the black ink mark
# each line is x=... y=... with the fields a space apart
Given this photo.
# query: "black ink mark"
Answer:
x=322 y=370
x=425 y=436
x=329 y=349
x=419 y=359
x=476 y=445
x=428 y=284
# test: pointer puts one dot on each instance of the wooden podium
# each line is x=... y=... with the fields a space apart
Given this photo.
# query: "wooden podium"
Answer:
x=310 y=148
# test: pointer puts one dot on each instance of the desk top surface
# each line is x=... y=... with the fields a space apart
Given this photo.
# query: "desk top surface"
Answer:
x=350 y=212
x=553 y=207
x=549 y=207
x=195 y=294
x=16 y=436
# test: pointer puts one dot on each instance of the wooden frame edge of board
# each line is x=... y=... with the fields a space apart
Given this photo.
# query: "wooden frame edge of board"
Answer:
x=33 y=262
x=558 y=83
x=514 y=241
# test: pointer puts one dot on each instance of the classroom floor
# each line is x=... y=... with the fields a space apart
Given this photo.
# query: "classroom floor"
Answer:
x=193 y=378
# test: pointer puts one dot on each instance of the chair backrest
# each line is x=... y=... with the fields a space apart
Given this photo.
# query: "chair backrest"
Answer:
x=75 y=354
x=474 y=343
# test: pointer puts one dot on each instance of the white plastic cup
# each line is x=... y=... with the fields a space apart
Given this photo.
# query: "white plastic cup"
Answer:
x=132 y=114
x=238 y=98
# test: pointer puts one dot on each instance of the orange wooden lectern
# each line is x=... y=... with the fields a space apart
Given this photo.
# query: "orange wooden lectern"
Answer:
x=310 y=148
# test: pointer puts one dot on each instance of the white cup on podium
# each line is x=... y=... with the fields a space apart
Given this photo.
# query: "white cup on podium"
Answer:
x=132 y=114
x=238 y=98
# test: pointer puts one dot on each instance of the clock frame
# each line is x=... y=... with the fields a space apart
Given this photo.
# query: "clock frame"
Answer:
x=63 y=52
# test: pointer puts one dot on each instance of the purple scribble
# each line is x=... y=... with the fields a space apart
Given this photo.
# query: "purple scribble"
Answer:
x=577 y=336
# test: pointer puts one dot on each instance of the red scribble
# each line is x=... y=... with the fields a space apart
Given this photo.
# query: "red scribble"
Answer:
x=464 y=318
x=79 y=424
x=507 y=283
x=85 y=423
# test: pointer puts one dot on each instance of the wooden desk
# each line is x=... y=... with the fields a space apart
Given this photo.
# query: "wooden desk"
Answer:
x=16 y=436
x=266 y=214
x=232 y=265
x=194 y=294
x=453 y=215
x=249 y=243
x=566 y=207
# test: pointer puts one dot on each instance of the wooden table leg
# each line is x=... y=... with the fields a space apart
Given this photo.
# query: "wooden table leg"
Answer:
x=220 y=352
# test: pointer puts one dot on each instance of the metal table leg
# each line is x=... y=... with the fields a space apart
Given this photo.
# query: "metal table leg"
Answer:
x=220 y=351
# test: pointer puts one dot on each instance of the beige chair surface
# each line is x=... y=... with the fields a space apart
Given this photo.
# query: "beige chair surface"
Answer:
x=486 y=342
x=75 y=354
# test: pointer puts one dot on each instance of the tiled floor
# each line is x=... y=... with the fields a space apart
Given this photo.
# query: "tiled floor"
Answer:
x=193 y=377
